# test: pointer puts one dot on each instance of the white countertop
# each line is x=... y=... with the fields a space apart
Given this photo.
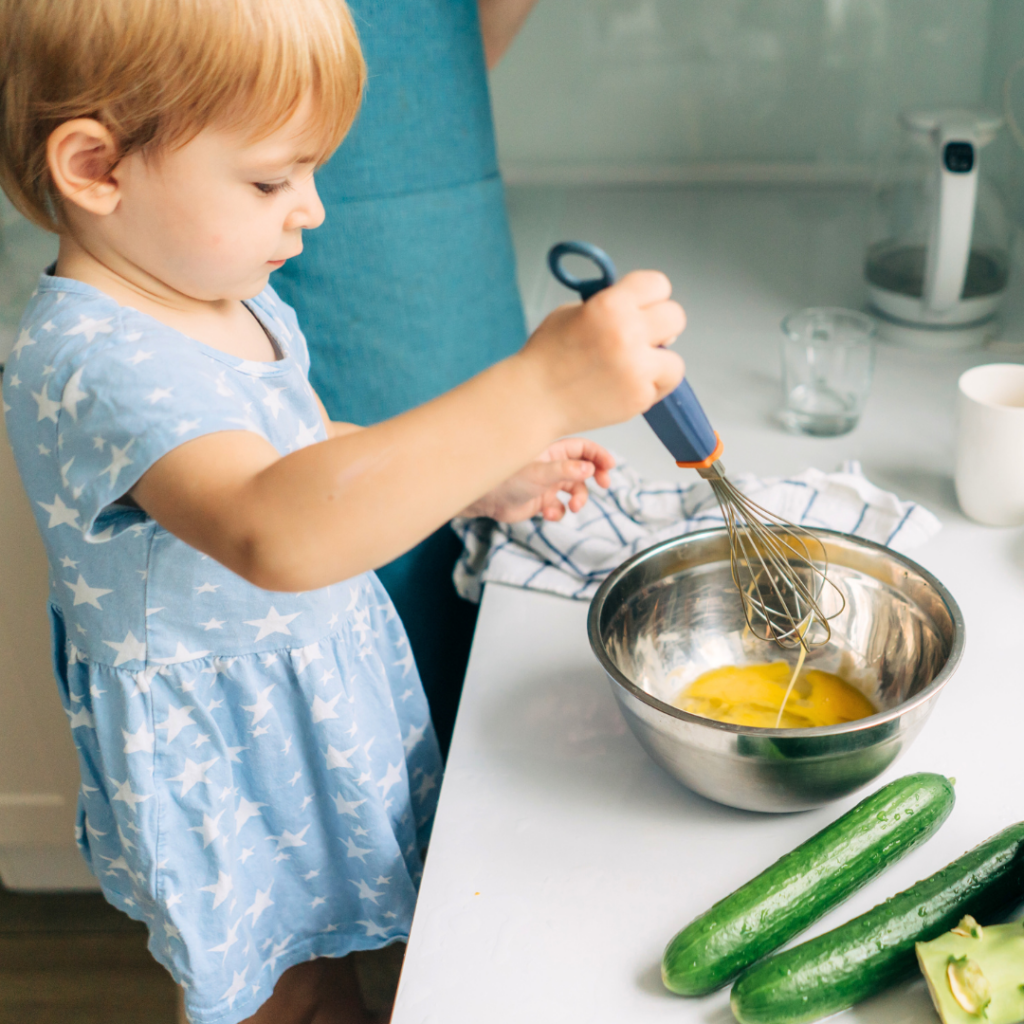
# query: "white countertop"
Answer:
x=563 y=859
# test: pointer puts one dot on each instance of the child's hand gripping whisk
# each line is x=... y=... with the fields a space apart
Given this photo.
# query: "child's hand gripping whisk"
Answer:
x=779 y=569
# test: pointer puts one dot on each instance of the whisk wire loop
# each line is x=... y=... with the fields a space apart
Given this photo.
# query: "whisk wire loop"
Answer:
x=781 y=583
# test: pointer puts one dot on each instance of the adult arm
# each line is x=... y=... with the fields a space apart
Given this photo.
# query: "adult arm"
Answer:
x=500 y=22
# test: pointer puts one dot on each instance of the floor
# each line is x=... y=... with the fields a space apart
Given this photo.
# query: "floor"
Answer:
x=71 y=958
x=74 y=959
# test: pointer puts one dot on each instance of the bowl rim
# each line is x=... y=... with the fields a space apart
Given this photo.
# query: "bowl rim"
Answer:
x=941 y=678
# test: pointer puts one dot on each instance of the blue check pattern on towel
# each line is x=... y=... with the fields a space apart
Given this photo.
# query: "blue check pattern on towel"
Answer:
x=572 y=557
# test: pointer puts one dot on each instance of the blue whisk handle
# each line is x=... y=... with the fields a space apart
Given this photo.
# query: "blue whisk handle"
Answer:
x=678 y=419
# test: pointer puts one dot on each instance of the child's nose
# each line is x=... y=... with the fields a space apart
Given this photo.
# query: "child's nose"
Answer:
x=308 y=211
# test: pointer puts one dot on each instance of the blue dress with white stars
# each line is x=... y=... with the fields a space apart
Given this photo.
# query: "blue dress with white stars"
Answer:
x=259 y=771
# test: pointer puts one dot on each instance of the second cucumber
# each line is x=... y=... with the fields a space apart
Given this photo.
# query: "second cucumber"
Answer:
x=805 y=884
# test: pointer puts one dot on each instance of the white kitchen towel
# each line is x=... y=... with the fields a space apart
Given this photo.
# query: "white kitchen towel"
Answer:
x=572 y=557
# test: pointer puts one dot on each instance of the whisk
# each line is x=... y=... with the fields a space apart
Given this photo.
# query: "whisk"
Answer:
x=780 y=569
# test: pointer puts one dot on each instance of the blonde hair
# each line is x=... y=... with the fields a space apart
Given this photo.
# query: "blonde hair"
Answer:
x=157 y=72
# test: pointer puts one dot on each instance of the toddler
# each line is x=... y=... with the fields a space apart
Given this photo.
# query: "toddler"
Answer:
x=259 y=770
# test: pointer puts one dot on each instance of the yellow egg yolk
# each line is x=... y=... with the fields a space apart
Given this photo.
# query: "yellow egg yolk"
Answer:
x=753 y=694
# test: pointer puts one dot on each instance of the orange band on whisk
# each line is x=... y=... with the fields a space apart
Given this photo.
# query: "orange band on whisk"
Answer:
x=704 y=463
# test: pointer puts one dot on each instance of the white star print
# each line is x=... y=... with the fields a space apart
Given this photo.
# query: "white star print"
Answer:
x=117 y=864
x=246 y=810
x=173 y=899
x=192 y=774
x=118 y=461
x=232 y=752
x=348 y=807
x=84 y=594
x=181 y=654
x=209 y=829
x=64 y=472
x=317 y=900
x=324 y=709
x=373 y=930
x=158 y=395
x=306 y=435
x=286 y=749
x=171 y=932
x=176 y=720
x=73 y=393
x=229 y=941
x=304 y=655
x=95 y=833
x=306 y=801
x=260 y=730
x=260 y=903
x=365 y=892
x=414 y=737
x=339 y=758
x=140 y=357
x=98 y=443
x=275 y=953
x=381 y=880
x=128 y=649
x=262 y=705
x=207 y=588
x=391 y=778
x=406 y=663
x=247 y=853
x=272 y=400
x=184 y=426
x=77 y=719
x=23 y=342
x=273 y=623
x=220 y=889
x=90 y=327
x=425 y=786
x=356 y=851
x=295 y=778
x=288 y=839
x=236 y=986
x=199 y=741
x=213 y=624
x=125 y=794
x=143 y=679
x=42 y=449
x=47 y=407
x=60 y=514
x=138 y=742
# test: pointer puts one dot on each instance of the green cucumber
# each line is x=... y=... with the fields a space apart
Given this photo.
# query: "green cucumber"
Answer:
x=868 y=954
x=804 y=885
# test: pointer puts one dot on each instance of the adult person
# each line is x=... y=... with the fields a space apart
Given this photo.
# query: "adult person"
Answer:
x=409 y=287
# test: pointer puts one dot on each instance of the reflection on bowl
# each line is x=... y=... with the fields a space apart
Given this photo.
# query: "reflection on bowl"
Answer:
x=672 y=612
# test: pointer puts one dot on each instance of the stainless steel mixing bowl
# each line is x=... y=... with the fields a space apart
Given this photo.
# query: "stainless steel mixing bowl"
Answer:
x=672 y=612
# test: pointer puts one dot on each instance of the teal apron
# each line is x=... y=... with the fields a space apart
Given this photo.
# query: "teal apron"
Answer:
x=409 y=287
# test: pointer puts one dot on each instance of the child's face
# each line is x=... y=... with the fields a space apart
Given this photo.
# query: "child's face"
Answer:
x=213 y=218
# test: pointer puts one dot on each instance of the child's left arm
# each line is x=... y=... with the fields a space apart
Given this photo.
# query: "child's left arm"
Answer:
x=564 y=468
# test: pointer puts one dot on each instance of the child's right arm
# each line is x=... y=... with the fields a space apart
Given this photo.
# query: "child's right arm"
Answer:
x=356 y=501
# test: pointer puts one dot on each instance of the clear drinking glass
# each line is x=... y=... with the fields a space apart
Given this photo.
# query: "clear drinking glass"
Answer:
x=827 y=358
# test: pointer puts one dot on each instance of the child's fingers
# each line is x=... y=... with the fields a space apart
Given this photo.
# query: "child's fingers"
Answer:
x=665 y=321
x=645 y=287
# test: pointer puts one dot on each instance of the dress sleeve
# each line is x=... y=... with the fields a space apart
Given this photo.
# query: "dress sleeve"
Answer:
x=124 y=405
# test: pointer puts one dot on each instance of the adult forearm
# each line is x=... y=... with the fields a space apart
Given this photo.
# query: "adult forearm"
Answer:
x=500 y=22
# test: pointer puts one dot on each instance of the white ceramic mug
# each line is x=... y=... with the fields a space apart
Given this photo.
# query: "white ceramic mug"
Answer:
x=990 y=444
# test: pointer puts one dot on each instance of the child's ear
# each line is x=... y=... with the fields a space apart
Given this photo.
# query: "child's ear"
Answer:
x=81 y=156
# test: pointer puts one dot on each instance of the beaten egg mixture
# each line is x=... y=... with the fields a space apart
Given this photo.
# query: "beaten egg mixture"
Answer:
x=754 y=694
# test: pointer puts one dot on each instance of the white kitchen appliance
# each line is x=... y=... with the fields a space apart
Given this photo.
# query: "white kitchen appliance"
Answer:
x=938 y=264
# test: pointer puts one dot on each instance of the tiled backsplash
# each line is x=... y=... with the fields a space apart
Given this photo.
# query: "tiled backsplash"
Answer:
x=745 y=89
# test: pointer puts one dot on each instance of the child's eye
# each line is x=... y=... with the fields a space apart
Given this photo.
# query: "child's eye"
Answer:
x=268 y=189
